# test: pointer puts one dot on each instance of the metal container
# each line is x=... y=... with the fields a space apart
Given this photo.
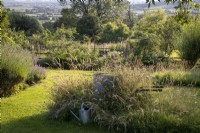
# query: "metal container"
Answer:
x=84 y=114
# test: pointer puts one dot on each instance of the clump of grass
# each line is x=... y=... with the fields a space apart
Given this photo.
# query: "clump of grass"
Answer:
x=116 y=106
x=114 y=102
x=180 y=78
x=124 y=109
x=173 y=110
x=68 y=94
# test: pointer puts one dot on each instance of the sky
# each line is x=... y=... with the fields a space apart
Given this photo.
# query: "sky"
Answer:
x=137 y=1
x=132 y=1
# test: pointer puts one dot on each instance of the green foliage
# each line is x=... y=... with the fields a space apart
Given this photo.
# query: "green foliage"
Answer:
x=149 y=33
x=48 y=26
x=108 y=32
x=111 y=32
x=49 y=40
x=88 y=25
x=74 y=56
x=62 y=32
x=24 y=23
x=189 y=42
x=122 y=32
x=3 y=23
x=69 y=19
x=15 y=38
x=180 y=3
x=48 y=62
x=149 y=45
x=170 y=33
x=15 y=66
x=154 y=34
x=105 y=10
x=4 y=18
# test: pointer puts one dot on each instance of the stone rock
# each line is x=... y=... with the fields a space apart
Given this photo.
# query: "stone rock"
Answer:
x=102 y=81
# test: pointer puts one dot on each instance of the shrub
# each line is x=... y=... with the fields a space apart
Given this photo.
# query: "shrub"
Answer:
x=48 y=62
x=188 y=42
x=38 y=73
x=24 y=23
x=74 y=56
x=15 y=67
x=111 y=32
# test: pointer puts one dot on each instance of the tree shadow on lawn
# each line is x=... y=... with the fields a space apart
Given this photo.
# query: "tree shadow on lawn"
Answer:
x=41 y=124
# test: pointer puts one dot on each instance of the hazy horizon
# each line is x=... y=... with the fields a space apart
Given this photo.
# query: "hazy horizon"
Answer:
x=132 y=1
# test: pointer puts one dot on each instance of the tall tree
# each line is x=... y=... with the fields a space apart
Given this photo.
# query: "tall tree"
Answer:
x=24 y=23
x=189 y=42
x=149 y=33
x=88 y=25
x=69 y=19
x=182 y=8
x=103 y=9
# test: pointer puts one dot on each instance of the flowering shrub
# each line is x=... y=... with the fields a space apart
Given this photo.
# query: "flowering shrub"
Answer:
x=38 y=73
x=15 y=67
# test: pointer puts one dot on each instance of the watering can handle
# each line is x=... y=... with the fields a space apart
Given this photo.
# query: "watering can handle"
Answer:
x=82 y=106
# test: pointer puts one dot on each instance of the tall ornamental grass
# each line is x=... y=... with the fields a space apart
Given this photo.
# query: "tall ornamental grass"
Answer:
x=124 y=108
x=178 y=78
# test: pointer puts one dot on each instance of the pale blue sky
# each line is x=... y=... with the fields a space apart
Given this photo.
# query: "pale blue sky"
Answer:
x=137 y=1
x=132 y=1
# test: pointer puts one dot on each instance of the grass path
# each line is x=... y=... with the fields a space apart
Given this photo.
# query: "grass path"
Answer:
x=26 y=111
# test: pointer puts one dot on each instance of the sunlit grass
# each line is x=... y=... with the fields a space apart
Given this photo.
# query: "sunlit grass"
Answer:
x=26 y=111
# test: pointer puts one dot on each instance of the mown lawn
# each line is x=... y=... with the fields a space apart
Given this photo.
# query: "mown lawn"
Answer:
x=26 y=111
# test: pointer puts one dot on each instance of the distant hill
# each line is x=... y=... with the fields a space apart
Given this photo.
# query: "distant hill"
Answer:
x=27 y=1
x=157 y=5
x=133 y=6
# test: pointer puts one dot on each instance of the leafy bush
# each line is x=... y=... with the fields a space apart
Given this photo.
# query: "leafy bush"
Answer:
x=24 y=23
x=38 y=73
x=15 y=67
x=48 y=62
x=111 y=32
x=75 y=56
x=188 y=42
